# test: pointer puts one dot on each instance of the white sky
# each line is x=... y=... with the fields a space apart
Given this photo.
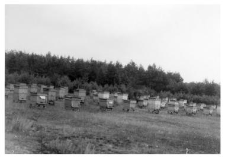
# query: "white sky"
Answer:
x=178 y=38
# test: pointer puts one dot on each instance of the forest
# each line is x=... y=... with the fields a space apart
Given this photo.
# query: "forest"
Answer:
x=22 y=67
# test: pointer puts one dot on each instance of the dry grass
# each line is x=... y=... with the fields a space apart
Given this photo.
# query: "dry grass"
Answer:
x=69 y=147
x=20 y=124
x=89 y=131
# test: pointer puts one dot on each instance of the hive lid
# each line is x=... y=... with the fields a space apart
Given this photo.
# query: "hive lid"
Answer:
x=42 y=97
x=103 y=99
x=41 y=94
x=71 y=96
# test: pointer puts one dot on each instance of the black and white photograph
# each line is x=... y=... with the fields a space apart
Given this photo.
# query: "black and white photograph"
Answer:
x=112 y=78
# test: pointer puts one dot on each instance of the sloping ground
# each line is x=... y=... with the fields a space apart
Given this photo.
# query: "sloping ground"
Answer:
x=55 y=130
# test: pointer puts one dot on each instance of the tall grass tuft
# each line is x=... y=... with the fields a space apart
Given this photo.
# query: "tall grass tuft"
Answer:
x=90 y=149
x=70 y=147
x=61 y=146
x=19 y=124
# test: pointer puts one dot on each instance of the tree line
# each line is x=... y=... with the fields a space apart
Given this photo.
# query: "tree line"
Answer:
x=112 y=76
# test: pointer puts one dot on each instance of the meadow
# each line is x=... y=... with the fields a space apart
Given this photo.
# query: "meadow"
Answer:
x=54 y=130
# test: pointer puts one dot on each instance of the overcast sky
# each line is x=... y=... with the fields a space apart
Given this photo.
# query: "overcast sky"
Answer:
x=178 y=38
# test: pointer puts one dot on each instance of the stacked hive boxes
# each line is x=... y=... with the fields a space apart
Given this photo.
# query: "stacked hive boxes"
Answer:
x=191 y=108
x=60 y=93
x=52 y=96
x=121 y=97
x=11 y=88
x=20 y=92
x=129 y=105
x=66 y=89
x=72 y=102
x=103 y=95
x=33 y=88
x=80 y=93
x=173 y=106
x=154 y=104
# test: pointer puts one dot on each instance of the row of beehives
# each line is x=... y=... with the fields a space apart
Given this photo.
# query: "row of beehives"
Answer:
x=153 y=104
x=107 y=100
x=42 y=95
x=192 y=108
x=22 y=91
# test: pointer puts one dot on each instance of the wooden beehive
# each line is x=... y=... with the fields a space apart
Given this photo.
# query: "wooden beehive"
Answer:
x=20 y=92
x=140 y=103
x=176 y=107
x=173 y=106
x=72 y=102
x=125 y=96
x=181 y=103
x=11 y=87
x=60 y=93
x=33 y=88
x=81 y=93
x=165 y=100
x=66 y=90
x=190 y=109
x=103 y=95
x=202 y=105
x=126 y=105
x=133 y=103
x=154 y=104
x=208 y=110
x=172 y=100
x=145 y=102
x=105 y=103
x=129 y=105
x=51 y=95
x=163 y=105
x=119 y=98
x=39 y=98
x=110 y=103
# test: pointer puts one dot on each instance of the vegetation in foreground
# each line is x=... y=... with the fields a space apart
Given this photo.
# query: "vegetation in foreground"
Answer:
x=55 y=130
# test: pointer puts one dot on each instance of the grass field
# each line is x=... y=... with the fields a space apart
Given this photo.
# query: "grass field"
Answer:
x=56 y=130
